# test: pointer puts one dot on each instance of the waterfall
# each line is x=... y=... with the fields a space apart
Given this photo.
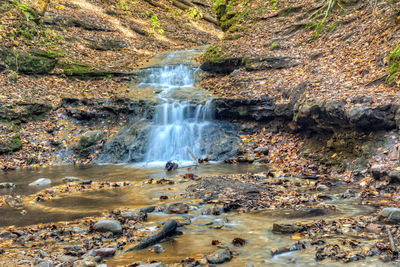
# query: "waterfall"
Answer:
x=181 y=122
x=179 y=126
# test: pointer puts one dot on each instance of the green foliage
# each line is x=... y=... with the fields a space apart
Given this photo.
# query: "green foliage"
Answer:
x=194 y=13
x=11 y=145
x=394 y=66
x=155 y=24
x=274 y=4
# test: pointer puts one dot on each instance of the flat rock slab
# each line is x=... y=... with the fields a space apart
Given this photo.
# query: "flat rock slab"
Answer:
x=178 y=208
x=113 y=226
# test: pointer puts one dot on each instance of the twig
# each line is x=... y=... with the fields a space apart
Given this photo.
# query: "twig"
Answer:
x=191 y=154
x=393 y=247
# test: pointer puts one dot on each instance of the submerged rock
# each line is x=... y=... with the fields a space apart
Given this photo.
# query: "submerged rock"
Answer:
x=71 y=179
x=286 y=228
x=105 y=252
x=113 y=226
x=178 y=208
x=41 y=182
x=169 y=229
x=219 y=257
x=148 y=209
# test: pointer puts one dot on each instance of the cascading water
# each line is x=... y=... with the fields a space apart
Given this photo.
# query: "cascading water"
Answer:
x=181 y=122
x=178 y=126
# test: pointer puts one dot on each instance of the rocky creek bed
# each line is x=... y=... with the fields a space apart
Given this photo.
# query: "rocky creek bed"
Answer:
x=198 y=219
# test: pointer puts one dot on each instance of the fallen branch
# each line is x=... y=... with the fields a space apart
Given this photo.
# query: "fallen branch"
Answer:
x=156 y=4
x=184 y=7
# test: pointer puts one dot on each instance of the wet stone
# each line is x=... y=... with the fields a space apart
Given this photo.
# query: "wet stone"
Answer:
x=219 y=257
x=21 y=262
x=132 y=215
x=155 y=264
x=105 y=252
x=178 y=208
x=71 y=179
x=41 y=182
x=148 y=209
x=108 y=226
x=78 y=230
x=286 y=228
x=87 y=262
x=262 y=150
x=158 y=249
x=6 y=235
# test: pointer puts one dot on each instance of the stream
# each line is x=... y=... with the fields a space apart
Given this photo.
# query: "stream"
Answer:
x=183 y=126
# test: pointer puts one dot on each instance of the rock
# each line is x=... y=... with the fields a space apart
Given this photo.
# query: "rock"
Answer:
x=158 y=248
x=105 y=252
x=61 y=265
x=178 y=208
x=86 y=262
x=394 y=175
x=102 y=265
x=322 y=187
x=169 y=229
x=6 y=235
x=88 y=142
x=71 y=179
x=379 y=170
x=43 y=254
x=45 y=263
x=131 y=215
x=148 y=209
x=390 y=215
x=171 y=166
x=28 y=63
x=67 y=258
x=78 y=230
x=155 y=264
x=262 y=150
x=1 y=251
x=113 y=226
x=21 y=262
x=286 y=228
x=41 y=182
x=219 y=257
x=262 y=160
x=6 y=185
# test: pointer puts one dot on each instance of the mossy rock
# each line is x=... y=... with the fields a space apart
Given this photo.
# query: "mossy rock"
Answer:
x=394 y=65
x=27 y=63
x=72 y=69
x=87 y=143
x=23 y=112
x=11 y=144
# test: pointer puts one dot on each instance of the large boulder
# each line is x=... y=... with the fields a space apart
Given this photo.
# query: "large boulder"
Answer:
x=390 y=215
x=28 y=63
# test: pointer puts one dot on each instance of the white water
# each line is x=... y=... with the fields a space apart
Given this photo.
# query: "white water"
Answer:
x=178 y=125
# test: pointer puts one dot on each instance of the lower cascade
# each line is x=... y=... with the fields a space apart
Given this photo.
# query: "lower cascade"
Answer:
x=182 y=126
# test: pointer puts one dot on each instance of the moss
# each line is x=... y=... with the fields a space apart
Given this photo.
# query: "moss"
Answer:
x=28 y=63
x=213 y=54
x=232 y=36
x=71 y=69
x=11 y=145
x=394 y=65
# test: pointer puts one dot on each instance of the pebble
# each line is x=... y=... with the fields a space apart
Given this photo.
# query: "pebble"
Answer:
x=24 y=262
x=68 y=259
x=158 y=248
x=113 y=226
x=87 y=262
x=105 y=252
x=78 y=230
x=148 y=209
x=322 y=187
x=219 y=257
x=45 y=263
x=71 y=179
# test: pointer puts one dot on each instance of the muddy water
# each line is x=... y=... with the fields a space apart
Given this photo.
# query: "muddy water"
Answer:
x=197 y=236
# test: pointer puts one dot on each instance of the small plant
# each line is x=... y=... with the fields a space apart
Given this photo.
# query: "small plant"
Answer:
x=274 y=4
x=394 y=66
x=155 y=24
x=194 y=13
